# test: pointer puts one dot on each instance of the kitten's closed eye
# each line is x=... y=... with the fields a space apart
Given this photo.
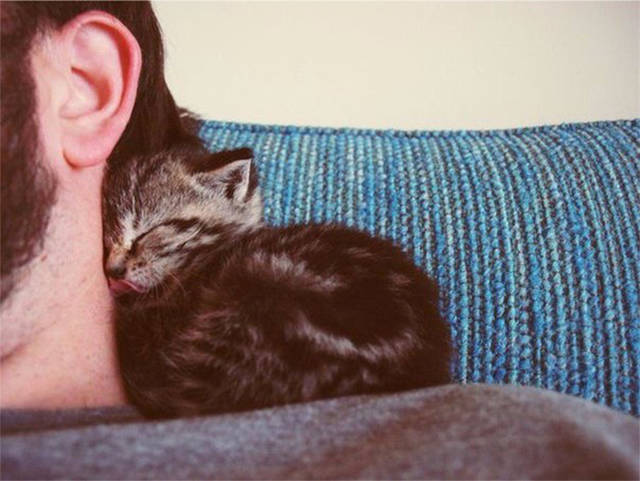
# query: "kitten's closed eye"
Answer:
x=155 y=255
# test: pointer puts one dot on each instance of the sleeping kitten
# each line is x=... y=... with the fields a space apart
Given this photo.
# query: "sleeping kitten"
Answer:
x=217 y=311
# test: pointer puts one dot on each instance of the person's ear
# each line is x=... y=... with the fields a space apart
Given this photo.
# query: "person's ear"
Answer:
x=102 y=61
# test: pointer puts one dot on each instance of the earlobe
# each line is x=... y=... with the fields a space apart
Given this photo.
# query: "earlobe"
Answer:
x=102 y=64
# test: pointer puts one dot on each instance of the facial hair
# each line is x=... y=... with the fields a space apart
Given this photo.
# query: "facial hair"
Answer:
x=28 y=186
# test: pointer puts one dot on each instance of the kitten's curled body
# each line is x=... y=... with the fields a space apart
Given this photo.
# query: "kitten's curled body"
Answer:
x=246 y=315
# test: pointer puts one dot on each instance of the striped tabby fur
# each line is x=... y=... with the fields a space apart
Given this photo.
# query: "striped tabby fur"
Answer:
x=220 y=312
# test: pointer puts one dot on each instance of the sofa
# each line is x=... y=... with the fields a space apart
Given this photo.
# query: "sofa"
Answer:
x=533 y=235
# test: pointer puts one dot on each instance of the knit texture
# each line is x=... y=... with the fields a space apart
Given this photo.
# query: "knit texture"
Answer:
x=532 y=234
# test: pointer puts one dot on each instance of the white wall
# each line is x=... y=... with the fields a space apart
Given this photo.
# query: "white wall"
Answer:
x=404 y=65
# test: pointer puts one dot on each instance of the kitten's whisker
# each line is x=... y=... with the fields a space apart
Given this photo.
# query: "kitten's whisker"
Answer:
x=178 y=283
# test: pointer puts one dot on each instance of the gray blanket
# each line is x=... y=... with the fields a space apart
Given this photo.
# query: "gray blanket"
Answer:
x=449 y=432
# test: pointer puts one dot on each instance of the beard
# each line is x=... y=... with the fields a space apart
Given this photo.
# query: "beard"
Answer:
x=28 y=186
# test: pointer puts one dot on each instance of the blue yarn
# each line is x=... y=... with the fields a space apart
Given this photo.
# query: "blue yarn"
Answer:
x=533 y=235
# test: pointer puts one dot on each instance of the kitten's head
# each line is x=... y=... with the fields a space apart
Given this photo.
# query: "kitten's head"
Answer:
x=160 y=211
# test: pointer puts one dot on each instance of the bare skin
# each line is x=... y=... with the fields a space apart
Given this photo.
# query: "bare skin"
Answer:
x=56 y=335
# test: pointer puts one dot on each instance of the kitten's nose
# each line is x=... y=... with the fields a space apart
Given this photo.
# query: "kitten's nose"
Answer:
x=116 y=271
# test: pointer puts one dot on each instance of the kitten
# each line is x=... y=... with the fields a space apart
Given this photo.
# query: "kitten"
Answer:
x=217 y=311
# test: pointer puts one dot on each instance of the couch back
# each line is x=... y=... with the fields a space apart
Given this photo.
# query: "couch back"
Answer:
x=533 y=235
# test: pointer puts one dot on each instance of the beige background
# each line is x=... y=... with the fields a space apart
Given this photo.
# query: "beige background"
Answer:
x=404 y=65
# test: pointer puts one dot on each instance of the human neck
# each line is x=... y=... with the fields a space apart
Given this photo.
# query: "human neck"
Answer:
x=68 y=357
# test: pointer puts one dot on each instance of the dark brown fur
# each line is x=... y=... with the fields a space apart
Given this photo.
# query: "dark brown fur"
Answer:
x=240 y=315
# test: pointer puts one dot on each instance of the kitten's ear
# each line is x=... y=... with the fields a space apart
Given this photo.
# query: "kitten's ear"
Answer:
x=236 y=178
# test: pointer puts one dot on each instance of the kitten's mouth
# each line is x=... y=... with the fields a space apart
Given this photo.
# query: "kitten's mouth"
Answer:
x=122 y=286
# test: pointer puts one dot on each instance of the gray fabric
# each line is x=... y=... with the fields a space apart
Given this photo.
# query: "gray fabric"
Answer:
x=449 y=432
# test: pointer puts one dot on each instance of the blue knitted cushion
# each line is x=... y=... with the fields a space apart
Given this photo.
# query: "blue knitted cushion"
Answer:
x=533 y=235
